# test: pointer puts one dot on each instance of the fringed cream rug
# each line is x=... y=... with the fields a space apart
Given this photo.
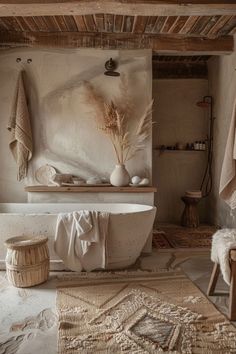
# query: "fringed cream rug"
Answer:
x=138 y=313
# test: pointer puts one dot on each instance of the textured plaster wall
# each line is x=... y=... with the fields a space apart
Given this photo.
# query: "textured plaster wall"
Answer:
x=178 y=120
x=64 y=128
x=222 y=84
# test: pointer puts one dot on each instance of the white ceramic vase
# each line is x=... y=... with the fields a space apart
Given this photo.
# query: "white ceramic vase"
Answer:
x=120 y=176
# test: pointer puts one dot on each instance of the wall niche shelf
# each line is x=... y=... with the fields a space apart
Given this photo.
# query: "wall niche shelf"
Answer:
x=177 y=150
x=86 y=189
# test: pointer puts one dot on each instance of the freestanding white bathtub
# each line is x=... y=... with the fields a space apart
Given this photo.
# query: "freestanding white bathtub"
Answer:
x=129 y=227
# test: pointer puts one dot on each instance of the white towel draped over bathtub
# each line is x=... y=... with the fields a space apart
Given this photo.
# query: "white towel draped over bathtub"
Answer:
x=228 y=173
x=80 y=239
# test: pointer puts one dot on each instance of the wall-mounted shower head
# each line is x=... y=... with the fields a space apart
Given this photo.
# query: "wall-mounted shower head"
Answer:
x=206 y=102
x=203 y=104
x=110 y=67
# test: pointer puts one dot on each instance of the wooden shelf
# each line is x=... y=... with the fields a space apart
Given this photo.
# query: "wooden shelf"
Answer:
x=86 y=189
x=178 y=150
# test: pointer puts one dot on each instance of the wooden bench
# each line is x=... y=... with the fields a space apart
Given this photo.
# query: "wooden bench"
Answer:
x=232 y=291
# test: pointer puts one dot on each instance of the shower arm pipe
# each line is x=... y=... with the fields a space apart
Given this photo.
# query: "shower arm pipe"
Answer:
x=208 y=103
x=208 y=171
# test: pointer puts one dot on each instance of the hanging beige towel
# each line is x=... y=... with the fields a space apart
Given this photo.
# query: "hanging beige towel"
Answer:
x=228 y=172
x=19 y=126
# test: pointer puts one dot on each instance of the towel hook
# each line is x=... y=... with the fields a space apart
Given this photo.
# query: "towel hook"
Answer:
x=19 y=60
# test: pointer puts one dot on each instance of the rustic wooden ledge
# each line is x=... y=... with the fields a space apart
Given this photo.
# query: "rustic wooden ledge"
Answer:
x=86 y=189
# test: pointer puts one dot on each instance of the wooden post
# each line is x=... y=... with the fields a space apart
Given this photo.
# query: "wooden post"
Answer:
x=213 y=280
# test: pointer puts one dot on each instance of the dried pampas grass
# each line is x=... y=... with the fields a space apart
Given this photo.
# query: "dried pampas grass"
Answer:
x=112 y=119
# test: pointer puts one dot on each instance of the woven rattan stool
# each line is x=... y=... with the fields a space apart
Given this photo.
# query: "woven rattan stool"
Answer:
x=27 y=260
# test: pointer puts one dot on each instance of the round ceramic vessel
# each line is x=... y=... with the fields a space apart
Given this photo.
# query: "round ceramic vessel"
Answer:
x=120 y=176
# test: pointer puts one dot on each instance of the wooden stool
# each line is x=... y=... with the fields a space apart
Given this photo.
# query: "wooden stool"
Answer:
x=190 y=216
x=232 y=292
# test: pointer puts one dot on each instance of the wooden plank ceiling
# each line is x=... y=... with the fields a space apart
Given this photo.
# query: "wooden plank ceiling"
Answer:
x=165 y=26
x=197 y=26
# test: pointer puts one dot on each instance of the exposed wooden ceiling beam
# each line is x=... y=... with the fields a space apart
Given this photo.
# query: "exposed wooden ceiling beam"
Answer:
x=158 y=43
x=117 y=7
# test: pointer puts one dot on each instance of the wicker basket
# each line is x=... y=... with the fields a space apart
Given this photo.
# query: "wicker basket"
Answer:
x=27 y=260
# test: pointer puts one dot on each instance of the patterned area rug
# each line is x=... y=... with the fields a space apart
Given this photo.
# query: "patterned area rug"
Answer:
x=173 y=236
x=159 y=240
x=139 y=313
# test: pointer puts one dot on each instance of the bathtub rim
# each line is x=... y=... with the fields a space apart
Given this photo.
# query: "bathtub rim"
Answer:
x=142 y=208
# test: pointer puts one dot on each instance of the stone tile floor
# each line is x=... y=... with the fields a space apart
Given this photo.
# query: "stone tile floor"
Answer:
x=28 y=321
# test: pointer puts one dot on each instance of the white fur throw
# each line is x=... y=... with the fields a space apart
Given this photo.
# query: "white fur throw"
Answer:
x=222 y=242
